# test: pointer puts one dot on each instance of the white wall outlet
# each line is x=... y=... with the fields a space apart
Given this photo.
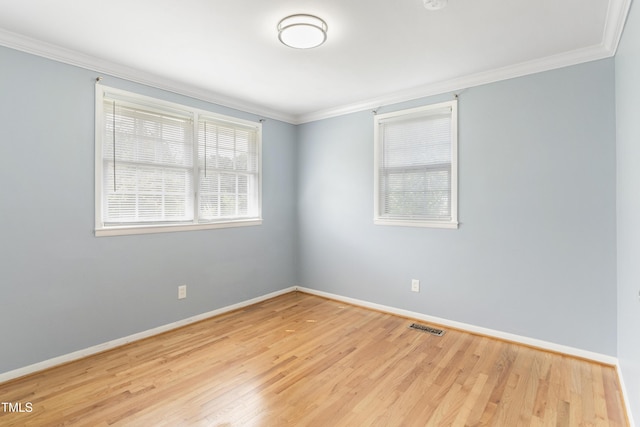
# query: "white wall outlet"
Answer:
x=415 y=285
x=182 y=291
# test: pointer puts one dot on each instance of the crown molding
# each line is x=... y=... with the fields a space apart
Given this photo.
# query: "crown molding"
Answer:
x=614 y=25
x=71 y=57
x=565 y=59
x=617 y=12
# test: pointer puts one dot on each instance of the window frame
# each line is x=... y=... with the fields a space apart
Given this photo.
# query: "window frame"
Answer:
x=196 y=114
x=427 y=110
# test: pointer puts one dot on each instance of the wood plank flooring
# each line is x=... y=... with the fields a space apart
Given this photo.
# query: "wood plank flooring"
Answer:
x=301 y=360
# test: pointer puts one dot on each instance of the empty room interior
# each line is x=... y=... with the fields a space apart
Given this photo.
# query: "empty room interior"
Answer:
x=407 y=212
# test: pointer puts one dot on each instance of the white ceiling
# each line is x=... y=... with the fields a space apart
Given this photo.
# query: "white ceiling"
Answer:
x=377 y=52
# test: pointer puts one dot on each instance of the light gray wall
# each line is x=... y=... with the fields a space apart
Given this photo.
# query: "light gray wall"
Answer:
x=535 y=252
x=62 y=289
x=628 y=153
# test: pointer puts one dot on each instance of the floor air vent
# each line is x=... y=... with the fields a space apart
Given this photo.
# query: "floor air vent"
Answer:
x=423 y=328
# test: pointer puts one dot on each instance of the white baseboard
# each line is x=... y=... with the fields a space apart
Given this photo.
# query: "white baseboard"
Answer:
x=531 y=342
x=625 y=397
x=20 y=372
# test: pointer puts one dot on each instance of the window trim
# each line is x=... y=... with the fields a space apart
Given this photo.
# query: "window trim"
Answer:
x=131 y=229
x=406 y=113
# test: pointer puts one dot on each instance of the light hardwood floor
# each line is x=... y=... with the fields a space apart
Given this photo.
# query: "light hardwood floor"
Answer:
x=301 y=360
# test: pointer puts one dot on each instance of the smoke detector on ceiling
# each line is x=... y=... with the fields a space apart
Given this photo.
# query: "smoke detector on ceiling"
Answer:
x=435 y=4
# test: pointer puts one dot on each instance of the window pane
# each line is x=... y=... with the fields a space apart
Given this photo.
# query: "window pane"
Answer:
x=243 y=184
x=243 y=205
x=417 y=194
x=227 y=205
x=209 y=206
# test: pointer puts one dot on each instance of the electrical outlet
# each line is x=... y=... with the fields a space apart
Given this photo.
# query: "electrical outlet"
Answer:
x=415 y=285
x=182 y=291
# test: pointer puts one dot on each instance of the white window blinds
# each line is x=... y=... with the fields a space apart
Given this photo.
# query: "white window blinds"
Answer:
x=163 y=164
x=415 y=170
x=147 y=164
x=228 y=170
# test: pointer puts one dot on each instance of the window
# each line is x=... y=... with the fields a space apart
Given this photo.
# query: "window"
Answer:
x=166 y=167
x=416 y=167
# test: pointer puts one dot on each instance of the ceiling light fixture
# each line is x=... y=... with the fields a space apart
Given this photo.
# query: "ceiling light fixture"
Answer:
x=302 y=31
x=435 y=4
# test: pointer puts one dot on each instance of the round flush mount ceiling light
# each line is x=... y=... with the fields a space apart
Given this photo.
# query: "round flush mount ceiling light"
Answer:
x=435 y=4
x=302 y=31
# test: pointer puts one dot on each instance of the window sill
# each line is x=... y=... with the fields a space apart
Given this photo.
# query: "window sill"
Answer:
x=149 y=229
x=410 y=223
